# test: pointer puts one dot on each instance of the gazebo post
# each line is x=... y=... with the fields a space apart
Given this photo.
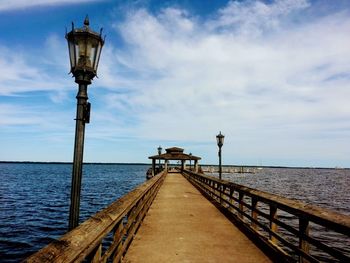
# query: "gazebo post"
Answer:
x=166 y=165
x=196 y=166
x=153 y=167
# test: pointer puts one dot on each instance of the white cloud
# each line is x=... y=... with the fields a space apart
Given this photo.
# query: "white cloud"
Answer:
x=24 y=71
x=254 y=17
x=17 y=75
x=273 y=87
x=38 y=118
x=194 y=78
x=16 y=115
x=21 y=4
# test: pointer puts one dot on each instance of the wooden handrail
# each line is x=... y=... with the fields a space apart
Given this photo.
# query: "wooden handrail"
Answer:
x=252 y=208
x=106 y=235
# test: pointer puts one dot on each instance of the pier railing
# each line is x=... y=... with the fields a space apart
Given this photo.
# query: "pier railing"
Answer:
x=104 y=237
x=291 y=229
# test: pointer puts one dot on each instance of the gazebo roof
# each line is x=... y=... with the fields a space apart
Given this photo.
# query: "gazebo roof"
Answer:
x=174 y=150
x=174 y=153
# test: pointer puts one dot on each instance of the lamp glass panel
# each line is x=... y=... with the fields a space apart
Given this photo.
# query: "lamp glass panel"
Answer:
x=71 y=53
x=82 y=47
x=77 y=54
x=89 y=52
x=98 y=53
x=92 y=55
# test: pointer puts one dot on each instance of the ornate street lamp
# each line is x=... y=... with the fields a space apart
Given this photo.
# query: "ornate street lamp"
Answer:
x=220 y=141
x=190 y=161
x=85 y=48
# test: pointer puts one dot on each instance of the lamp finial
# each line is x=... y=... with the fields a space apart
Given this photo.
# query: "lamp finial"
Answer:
x=86 y=21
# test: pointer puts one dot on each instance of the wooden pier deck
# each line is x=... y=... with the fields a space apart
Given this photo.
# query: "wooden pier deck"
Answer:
x=183 y=226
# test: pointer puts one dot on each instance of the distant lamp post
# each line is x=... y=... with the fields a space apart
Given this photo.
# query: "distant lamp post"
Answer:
x=220 y=142
x=190 y=161
x=85 y=48
x=159 y=153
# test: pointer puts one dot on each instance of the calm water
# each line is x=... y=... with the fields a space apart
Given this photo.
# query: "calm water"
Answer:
x=34 y=198
x=329 y=188
x=34 y=201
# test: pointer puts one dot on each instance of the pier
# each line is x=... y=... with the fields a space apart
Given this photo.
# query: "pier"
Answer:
x=182 y=215
x=183 y=226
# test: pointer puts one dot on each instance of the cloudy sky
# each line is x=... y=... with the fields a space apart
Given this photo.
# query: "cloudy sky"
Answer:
x=272 y=75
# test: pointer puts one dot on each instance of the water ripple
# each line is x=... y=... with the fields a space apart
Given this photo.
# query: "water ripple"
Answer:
x=34 y=201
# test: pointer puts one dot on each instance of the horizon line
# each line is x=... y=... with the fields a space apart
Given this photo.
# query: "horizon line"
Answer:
x=138 y=163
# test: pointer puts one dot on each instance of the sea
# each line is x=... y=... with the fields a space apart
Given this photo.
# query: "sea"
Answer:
x=34 y=198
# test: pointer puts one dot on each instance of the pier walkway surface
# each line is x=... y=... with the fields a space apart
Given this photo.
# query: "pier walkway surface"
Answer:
x=183 y=226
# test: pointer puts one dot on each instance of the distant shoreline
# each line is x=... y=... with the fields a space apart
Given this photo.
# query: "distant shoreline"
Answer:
x=203 y=165
x=88 y=163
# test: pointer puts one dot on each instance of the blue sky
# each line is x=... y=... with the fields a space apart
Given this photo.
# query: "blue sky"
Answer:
x=273 y=76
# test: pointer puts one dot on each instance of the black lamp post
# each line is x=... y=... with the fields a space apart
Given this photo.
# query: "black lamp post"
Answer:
x=85 y=48
x=190 y=161
x=220 y=141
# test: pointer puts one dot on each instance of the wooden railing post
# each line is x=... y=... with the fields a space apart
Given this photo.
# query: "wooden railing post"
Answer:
x=303 y=231
x=225 y=198
x=254 y=212
x=97 y=254
x=240 y=205
x=221 y=189
x=117 y=238
x=231 y=200
x=273 y=226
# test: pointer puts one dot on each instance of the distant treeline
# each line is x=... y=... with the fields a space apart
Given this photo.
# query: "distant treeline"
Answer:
x=203 y=165
x=30 y=162
x=266 y=166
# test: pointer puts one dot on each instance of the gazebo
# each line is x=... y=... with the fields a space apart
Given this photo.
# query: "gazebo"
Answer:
x=174 y=153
